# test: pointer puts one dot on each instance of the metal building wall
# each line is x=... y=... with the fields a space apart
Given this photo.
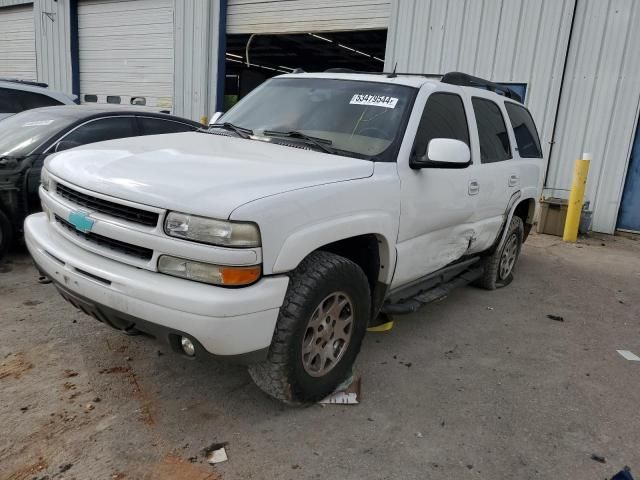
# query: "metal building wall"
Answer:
x=296 y=16
x=599 y=107
x=11 y=3
x=520 y=41
x=197 y=25
x=53 y=43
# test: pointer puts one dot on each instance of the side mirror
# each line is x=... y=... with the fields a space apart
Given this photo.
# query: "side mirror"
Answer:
x=443 y=153
x=215 y=117
x=65 y=145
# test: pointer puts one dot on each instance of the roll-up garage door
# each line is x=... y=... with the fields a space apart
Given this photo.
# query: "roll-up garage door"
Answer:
x=17 y=43
x=299 y=16
x=126 y=52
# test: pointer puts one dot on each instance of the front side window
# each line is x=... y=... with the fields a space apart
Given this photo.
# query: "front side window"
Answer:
x=356 y=118
x=101 y=130
x=443 y=117
x=492 y=131
x=524 y=130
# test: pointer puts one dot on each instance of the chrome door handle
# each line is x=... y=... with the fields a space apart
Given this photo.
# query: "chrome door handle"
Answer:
x=474 y=187
x=513 y=180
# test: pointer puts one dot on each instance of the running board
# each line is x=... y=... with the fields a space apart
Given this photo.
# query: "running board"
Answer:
x=411 y=305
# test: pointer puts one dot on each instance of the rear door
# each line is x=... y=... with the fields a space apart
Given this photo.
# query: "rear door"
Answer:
x=495 y=178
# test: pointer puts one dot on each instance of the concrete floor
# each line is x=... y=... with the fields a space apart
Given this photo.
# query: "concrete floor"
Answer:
x=494 y=389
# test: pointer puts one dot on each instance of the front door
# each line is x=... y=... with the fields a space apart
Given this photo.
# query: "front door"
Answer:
x=436 y=205
x=629 y=216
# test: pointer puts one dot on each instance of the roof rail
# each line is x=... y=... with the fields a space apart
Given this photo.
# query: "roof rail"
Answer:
x=24 y=82
x=452 y=78
x=465 y=80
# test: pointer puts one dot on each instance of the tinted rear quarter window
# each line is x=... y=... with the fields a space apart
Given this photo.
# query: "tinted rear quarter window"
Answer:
x=15 y=101
x=494 y=139
x=158 y=126
x=525 y=131
x=443 y=117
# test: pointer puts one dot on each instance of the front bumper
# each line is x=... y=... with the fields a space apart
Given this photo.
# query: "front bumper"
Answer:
x=227 y=322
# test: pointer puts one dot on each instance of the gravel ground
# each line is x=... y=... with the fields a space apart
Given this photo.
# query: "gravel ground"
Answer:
x=480 y=385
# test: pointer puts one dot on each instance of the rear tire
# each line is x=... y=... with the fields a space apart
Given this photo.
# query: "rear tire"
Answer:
x=6 y=234
x=498 y=267
x=319 y=331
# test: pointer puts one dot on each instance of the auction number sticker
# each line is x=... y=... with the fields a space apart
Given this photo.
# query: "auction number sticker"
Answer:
x=374 y=100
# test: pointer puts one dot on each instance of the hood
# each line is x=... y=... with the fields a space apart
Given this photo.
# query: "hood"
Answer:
x=199 y=173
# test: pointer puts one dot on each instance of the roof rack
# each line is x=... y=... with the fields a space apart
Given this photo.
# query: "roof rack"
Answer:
x=465 y=80
x=452 y=78
x=24 y=82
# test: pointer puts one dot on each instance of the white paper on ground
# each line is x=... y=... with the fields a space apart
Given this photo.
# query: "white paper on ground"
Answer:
x=629 y=355
x=217 y=456
x=346 y=394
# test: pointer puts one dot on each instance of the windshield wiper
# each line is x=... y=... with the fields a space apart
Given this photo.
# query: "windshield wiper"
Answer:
x=241 y=131
x=321 y=143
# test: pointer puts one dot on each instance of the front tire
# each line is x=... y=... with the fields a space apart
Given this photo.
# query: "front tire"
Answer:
x=319 y=331
x=498 y=268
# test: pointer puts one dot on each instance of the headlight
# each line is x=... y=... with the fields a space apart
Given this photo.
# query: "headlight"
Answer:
x=214 y=232
x=207 y=273
x=45 y=180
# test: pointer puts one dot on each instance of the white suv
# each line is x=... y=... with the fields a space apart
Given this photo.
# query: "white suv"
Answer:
x=316 y=205
x=19 y=95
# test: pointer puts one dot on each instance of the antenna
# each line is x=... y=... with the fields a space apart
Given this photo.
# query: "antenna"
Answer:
x=393 y=74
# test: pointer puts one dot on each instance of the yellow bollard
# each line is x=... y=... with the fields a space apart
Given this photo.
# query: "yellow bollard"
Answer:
x=576 y=198
x=203 y=120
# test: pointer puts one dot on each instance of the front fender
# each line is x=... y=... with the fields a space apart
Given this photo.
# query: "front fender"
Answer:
x=310 y=238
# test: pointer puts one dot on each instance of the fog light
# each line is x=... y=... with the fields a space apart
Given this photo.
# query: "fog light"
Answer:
x=187 y=346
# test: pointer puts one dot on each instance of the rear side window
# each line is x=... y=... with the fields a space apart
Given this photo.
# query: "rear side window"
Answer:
x=158 y=126
x=524 y=130
x=15 y=101
x=103 y=129
x=443 y=117
x=494 y=139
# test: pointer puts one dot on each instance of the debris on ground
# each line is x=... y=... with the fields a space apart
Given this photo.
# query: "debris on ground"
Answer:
x=629 y=355
x=624 y=474
x=65 y=467
x=215 y=453
x=70 y=373
x=598 y=458
x=419 y=435
x=557 y=318
x=347 y=393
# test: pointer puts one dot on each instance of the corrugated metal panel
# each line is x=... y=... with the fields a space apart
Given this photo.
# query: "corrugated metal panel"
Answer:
x=17 y=43
x=126 y=50
x=196 y=55
x=519 y=41
x=11 y=3
x=599 y=108
x=289 y=16
x=53 y=52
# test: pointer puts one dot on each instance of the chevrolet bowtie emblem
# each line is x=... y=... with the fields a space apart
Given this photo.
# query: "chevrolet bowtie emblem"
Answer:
x=81 y=221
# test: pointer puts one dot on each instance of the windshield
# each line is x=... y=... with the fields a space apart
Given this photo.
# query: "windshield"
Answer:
x=356 y=118
x=22 y=133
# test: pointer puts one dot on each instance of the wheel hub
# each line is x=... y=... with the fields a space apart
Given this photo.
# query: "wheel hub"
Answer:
x=509 y=256
x=328 y=334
